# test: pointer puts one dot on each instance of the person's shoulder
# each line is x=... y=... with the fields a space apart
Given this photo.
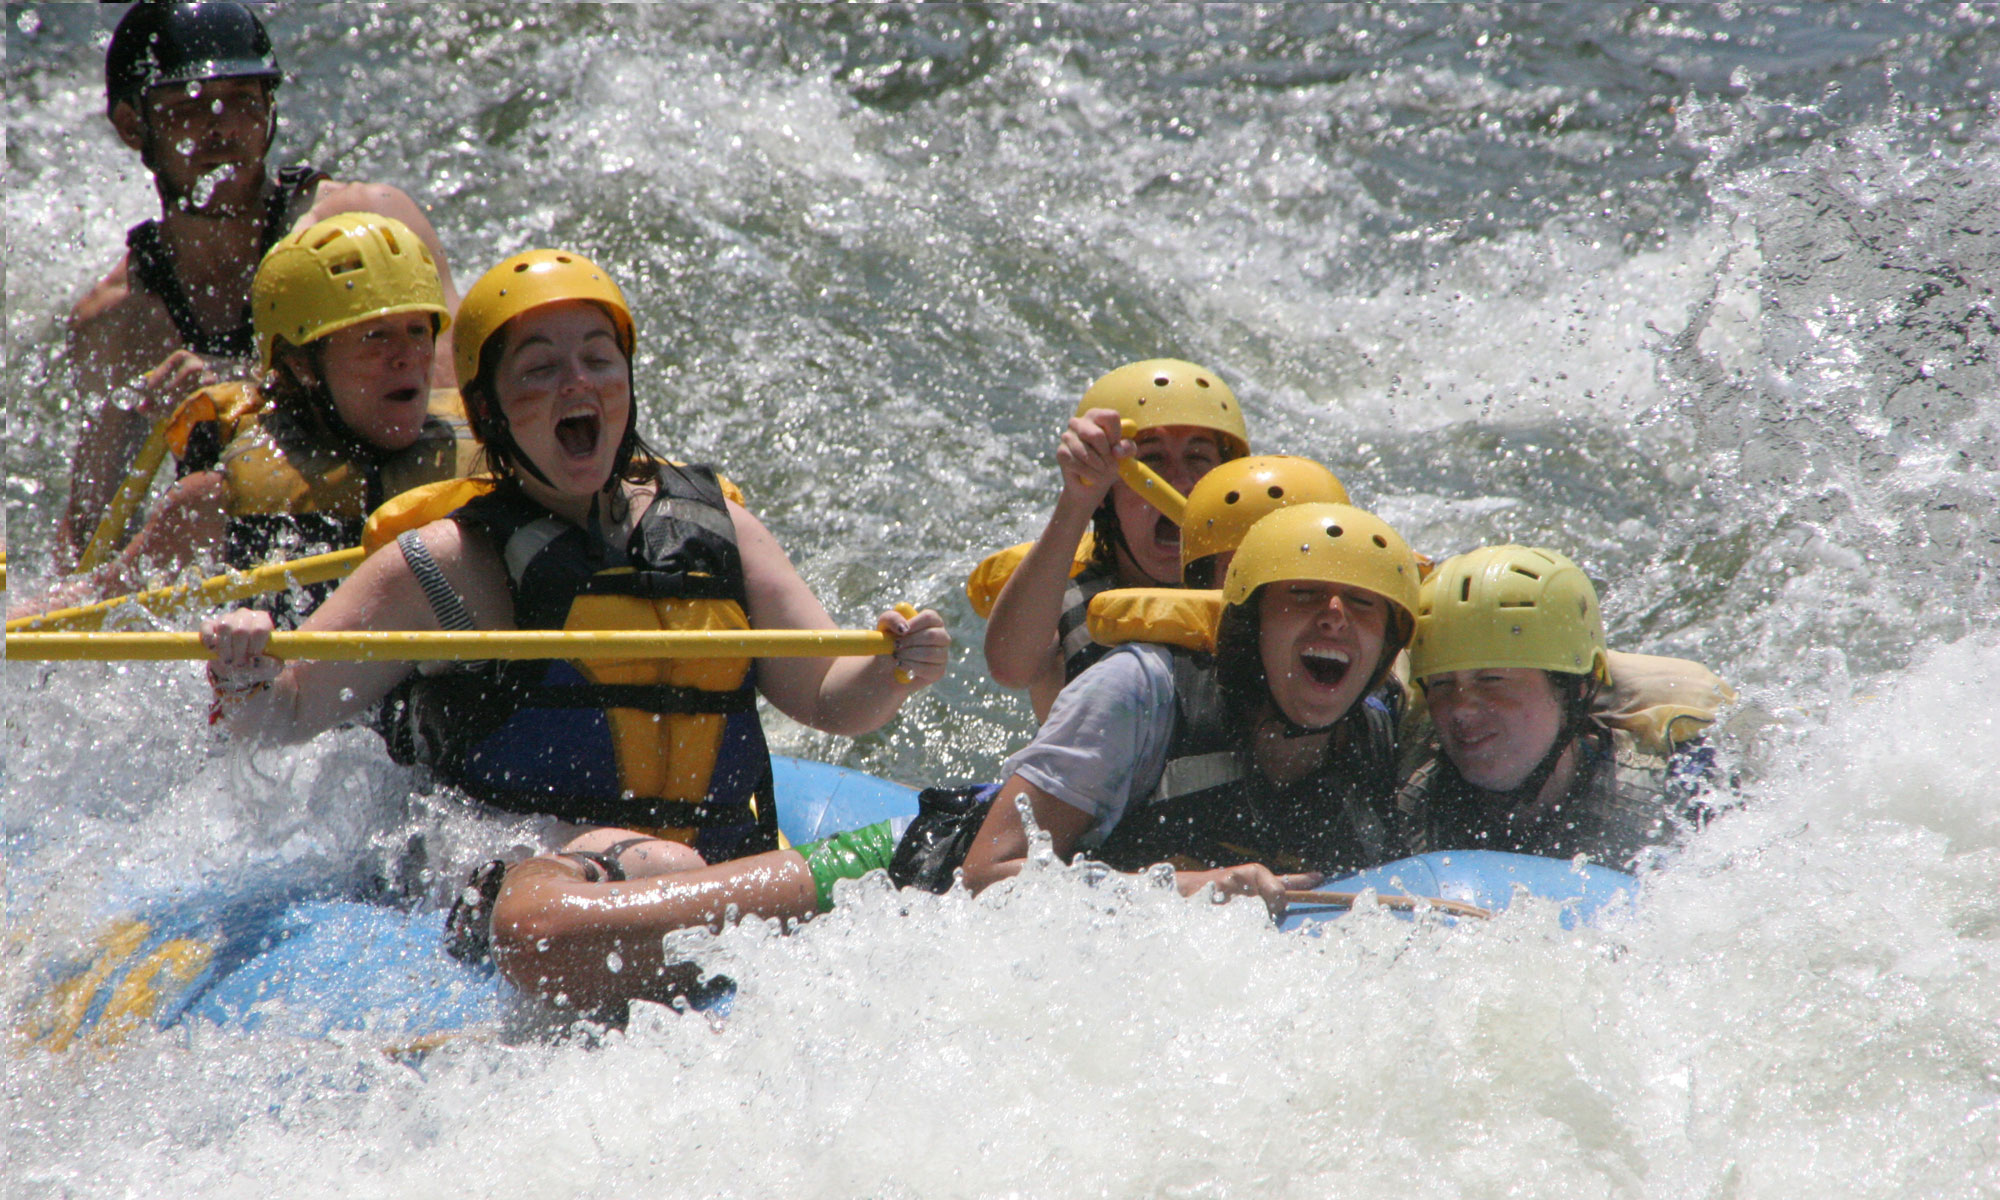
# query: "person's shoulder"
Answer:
x=112 y=298
x=334 y=196
x=1139 y=669
x=118 y=330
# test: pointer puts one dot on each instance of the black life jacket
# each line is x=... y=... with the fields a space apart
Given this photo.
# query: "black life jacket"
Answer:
x=1079 y=650
x=154 y=270
x=668 y=745
x=1213 y=808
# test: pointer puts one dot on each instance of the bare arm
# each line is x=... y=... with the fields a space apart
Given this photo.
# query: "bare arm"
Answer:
x=1001 y=850
x=185 y=527
x=1021 y=646
x=128 y=373
x=839 y=695
x=307 y=697
x=337 y=197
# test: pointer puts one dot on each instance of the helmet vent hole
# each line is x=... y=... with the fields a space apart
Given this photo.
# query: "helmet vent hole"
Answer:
x=1275 y=492
x=1232 y=498
x=1381 y=542
x=1521 y=570
x=1200 y=382
x=1464 y=590
x=345 y=266
x=1334 y=531
x=1160 y=381
x=390 y=238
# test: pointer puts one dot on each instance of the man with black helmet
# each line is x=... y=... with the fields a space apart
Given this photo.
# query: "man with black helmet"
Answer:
x=190 y=87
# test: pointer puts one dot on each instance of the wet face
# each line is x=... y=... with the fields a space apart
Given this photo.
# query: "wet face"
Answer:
x=204 y=142
x=1321 y=643
x=1182 y=454
x=565 y=387
x=1495 y=723
x=378 y=373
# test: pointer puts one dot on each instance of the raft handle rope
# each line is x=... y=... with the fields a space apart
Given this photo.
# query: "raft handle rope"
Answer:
x=1456 y=908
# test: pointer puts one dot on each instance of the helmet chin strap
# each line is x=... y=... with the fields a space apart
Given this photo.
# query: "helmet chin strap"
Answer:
x=1575 y=708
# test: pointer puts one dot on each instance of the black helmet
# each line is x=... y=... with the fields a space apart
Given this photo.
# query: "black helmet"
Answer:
x=159 y=43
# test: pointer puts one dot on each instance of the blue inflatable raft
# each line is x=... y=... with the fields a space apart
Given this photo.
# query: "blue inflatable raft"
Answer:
x=317 y=966
x=291 y=963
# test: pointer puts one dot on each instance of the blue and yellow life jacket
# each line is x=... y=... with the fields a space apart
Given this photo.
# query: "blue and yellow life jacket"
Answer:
x=668 y=745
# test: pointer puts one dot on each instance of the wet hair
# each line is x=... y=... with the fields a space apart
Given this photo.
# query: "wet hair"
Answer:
x=498 y=454
x=1201 y=572
x=309 y=400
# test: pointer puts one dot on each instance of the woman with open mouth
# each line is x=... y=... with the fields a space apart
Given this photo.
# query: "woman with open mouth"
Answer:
x=1265 y=756
x=657 y=767
x=1103 y=534
x=346 y=314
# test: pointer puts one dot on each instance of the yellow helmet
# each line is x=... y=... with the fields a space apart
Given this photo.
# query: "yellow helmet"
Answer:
x=351 y=267
x=1509 y=606
x=1332 y=543
x=1167 y=391
x=530 y=280
x=1227 y=501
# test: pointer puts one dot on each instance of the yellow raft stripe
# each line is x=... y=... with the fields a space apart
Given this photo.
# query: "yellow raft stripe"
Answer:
x=137 y=1001
x=380 y=646
x=70 y=1000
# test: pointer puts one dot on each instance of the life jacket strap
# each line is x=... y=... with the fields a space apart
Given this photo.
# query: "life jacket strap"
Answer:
x=445 y=604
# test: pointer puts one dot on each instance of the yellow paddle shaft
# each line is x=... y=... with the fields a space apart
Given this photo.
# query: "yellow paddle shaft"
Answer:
x=1147 y=482
x=1457 y=908
x=222 y=589
x=138 y=480
x=378 y=646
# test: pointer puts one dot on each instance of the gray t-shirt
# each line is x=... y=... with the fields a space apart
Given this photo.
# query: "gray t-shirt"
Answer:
x=1105 y=742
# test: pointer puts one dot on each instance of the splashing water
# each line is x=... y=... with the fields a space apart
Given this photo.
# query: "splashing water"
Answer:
x=1704 y=297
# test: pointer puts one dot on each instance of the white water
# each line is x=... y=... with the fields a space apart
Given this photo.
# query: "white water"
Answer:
x=1765 y=416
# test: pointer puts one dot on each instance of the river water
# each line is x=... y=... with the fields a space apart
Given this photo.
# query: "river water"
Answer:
x=1702 y=295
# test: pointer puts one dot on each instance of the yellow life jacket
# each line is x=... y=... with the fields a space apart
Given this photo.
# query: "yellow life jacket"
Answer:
x=419 y=506
x=1184 y=617
x=1086 y=580
x=273 y=467
x=1660 y=701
